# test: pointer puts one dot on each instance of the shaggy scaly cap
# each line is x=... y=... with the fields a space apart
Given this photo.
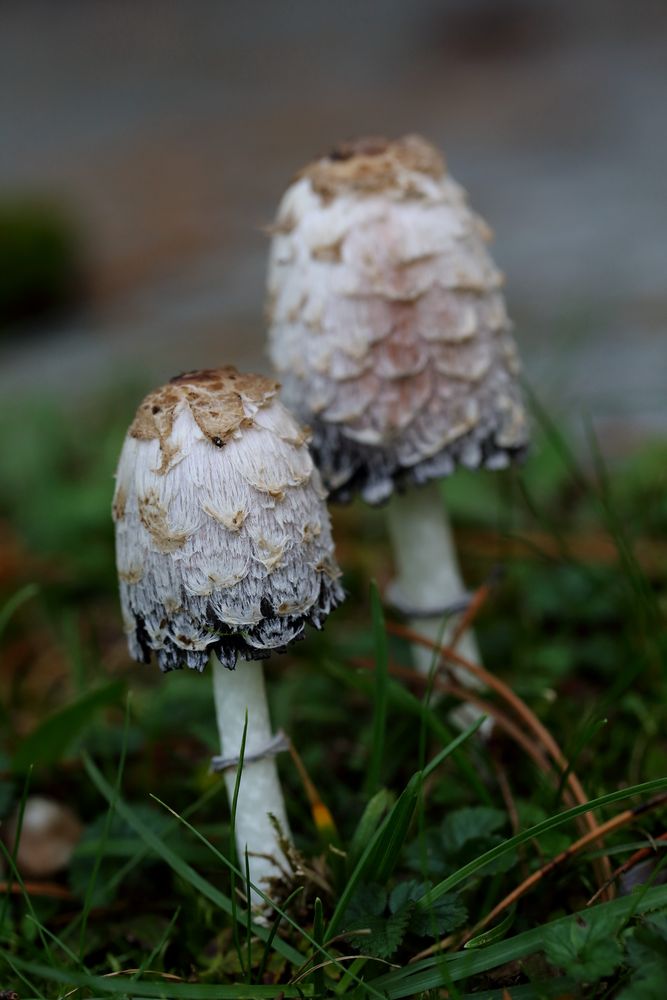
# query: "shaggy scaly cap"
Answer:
x=223 y=539
x=387 y=322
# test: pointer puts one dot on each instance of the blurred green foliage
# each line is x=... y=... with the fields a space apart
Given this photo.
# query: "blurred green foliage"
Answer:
x=40 y=261
x=57 y=483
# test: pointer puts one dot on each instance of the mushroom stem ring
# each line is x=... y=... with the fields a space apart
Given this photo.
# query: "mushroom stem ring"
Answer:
x=410 y=610
x=277 y=744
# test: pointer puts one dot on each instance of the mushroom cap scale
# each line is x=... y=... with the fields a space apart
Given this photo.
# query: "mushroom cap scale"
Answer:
x=223 y=539
x=387 y=321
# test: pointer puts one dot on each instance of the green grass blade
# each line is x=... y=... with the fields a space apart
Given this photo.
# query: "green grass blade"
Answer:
x=380 y=699
x=427 y=975
x=51 y=740
x=382 y=850
x=452 y=747
x=585 y=738
x=646 y=603
x=449 y=883
x=159 y=989
x=147 y=963
x=279 y=910
x=16 y=875
x=555 y=438
x=232 y=844
x=379 y=859
x=494 y=933
x=61 y=944
x=318 y=934
x=376 y=809
x=14 y=603
x=92 y=881
x=137 y=855
x=248 y=896
x=14 y=965
x=272 y=933
x=405 y=701
x=15 y=845
x=185 y=871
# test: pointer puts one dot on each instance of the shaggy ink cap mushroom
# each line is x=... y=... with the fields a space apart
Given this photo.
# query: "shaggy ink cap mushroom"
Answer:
x=223 y=538
x=387 y=321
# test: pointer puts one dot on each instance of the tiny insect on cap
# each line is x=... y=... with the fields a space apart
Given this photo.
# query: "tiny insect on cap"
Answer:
x=223 y=539
x=387 y=321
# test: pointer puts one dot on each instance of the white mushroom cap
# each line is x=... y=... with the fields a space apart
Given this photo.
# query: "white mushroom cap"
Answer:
x=223 y=539
x=387 y=321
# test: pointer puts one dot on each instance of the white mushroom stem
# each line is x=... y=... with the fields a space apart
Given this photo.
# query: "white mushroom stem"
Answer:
x=260 y=795
x=428 y=578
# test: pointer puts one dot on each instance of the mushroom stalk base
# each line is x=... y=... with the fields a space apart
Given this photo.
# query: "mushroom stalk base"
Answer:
x=429 y=580
x=260 y=795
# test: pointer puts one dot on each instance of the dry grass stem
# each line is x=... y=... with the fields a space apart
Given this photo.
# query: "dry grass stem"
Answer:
x=320 y=812
x=603 y=830
x=502 y=720
x=50 y=889
x=528 y=717
x=635 y=859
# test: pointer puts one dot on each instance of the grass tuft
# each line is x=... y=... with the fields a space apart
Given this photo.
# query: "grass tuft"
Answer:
x=427 y=862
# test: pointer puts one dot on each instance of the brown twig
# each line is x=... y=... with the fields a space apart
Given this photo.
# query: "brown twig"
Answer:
x=635 y=859
x=603 y=830
x=527 y=716
x=513 y=812
x=505 y=692
x=502 y=720
x=508 y=798
x=322 y=817
x=477 y=602
x=51 y=889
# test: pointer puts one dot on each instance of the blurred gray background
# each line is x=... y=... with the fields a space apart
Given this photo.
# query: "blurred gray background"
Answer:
x=168 y=130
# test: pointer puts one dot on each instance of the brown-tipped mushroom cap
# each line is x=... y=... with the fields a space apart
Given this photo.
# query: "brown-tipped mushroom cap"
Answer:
x=223 y=538
x=388 y=323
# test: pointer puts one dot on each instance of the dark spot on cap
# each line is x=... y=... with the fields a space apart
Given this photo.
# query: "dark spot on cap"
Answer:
x=156 y=409
x=218 y=442
x=372 y=145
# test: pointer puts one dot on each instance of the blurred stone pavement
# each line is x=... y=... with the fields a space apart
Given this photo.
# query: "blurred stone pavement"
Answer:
x=169 y=129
